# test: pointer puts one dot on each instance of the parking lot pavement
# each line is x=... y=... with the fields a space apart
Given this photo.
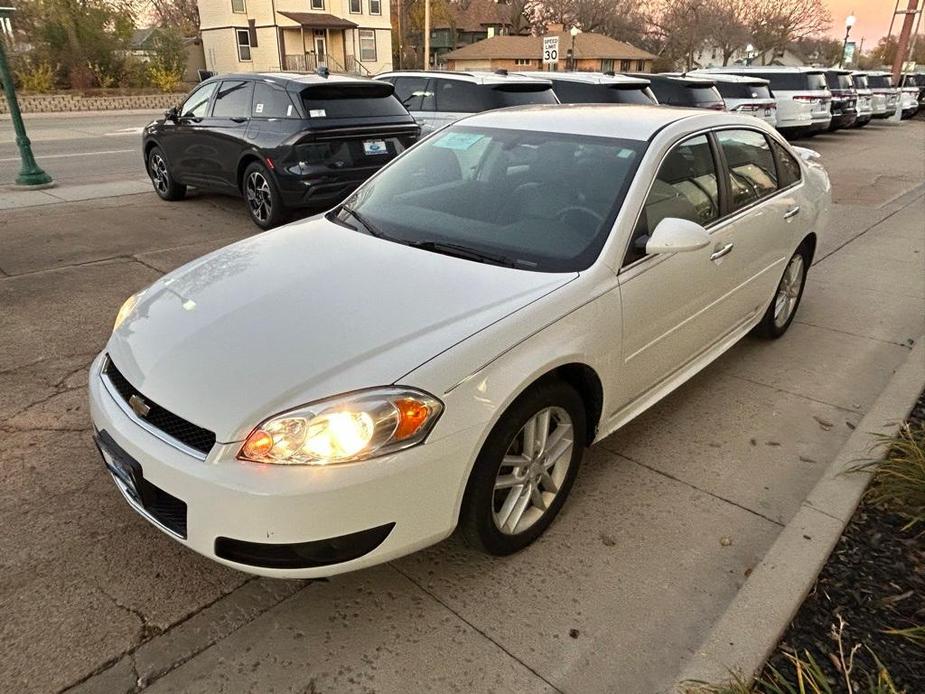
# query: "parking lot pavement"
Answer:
x=665 y=521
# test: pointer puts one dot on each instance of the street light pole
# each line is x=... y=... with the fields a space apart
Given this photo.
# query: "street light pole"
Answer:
x=849 y=22
x=30 y=173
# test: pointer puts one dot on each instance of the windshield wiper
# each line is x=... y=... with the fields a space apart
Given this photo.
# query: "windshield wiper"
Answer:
x=458 y=251
x=371 y=228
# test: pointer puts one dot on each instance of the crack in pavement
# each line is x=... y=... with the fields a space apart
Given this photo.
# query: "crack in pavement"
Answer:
x=474 y=627
x=796 y=395
x=778 y=523
x=863 y=337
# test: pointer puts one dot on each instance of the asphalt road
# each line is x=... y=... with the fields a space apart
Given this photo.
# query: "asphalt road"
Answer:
x=666 y=520
x=77 y=147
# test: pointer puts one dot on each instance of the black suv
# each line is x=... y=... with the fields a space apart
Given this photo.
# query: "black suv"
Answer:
x=677 y=90
x=282 y=141
x=844 y=99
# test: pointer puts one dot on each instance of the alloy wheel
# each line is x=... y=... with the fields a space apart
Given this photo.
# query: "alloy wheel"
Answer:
x=533 y=470
x=159 y=176
x=788 y=292
x=257 y=190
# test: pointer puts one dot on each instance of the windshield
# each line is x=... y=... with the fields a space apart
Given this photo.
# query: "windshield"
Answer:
x=531 y=200
x=351 y=101
x=743 y=90
x=878 y=81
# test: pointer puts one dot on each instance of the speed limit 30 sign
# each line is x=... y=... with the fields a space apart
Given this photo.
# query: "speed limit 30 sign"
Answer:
x=550 y=50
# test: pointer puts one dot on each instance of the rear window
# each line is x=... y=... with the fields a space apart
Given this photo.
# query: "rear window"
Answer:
x=582 y=93
x=860 y=81
x=466 y=97
x=878 y=81
x=835 y=80
x=731 y=90
x=361 y=100
x=522 y=95
x=795 y=81
x=679 y=94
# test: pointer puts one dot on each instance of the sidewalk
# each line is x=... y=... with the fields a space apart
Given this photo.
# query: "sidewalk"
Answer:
x=12 y=198
x=667 y=519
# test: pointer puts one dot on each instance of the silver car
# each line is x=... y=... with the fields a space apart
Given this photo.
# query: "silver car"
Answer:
x=437 y=99
x=750 y=96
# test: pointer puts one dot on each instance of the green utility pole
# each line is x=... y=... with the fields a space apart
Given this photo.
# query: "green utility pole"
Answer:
x=31 y=173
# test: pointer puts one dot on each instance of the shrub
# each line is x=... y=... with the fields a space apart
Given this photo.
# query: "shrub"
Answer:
x=165 y=79
x=899 y=479
x=39 y=77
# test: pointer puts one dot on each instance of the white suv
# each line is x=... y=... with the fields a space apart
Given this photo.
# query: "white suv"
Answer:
x=748 y=95
x=800 y=92
x=885 y=95
x=599 y=88
x=436 y=99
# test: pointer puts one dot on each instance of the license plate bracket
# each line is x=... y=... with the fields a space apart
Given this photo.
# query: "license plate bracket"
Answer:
x=125 y=469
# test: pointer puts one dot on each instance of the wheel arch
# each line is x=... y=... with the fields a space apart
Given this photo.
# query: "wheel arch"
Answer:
x=810 y=241
x=246 y=160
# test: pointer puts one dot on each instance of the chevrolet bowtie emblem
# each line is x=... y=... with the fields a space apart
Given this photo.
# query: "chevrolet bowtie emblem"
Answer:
x=139 y=406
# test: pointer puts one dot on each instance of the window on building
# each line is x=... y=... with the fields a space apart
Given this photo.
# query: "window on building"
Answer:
x=244 y=44
x=238 y=6
x=606 y=64
x=642 y=66
x=626 y=65
x=356 y=6
x=523 y=61
x=375 y=7
x=317 y=4
x=752 y=173
x=368 y=45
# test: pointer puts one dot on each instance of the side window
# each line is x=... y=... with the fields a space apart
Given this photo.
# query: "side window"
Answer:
x=271 y=102
x=198 y=102
x=788 y=168
x=686 y=187
x=233 y=100
x=459 y=96
x=411 y=92
x=752 y=173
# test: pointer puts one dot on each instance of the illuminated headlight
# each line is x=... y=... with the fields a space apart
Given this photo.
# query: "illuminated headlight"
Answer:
x=352 y=427
x=126 y=310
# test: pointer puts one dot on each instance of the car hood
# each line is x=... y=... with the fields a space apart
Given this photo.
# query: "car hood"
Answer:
x=304 y=312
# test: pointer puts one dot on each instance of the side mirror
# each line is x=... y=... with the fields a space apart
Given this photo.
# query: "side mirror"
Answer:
x=807 y=154
x=173 y=113
x=676 y=235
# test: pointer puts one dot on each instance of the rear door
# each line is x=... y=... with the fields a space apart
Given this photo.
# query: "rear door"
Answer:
x=762 y=211
x=675 y=306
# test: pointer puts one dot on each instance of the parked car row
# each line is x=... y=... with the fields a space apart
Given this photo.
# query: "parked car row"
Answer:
x=437 y=351
x=289 y=141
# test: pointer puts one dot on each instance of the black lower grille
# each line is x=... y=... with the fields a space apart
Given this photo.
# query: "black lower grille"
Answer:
x=185 y=432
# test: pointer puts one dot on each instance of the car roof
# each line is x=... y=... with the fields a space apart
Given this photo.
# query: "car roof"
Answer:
x=593 y=78
x=727 y=77
x=626 y=121
x=286 y=78
x=837 y=71
x=472 y=76
x=874 y=73
x=763 y=68
x=678 y=78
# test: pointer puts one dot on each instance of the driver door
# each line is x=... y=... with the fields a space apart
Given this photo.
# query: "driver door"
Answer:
x=181 y=143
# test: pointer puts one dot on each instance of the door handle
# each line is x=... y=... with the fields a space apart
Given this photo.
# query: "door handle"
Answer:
x=792 y=212
x=238 y=119
x=725 y=250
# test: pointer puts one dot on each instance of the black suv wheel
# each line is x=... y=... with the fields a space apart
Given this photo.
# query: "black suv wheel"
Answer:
x=263 y=200
x=161 y=178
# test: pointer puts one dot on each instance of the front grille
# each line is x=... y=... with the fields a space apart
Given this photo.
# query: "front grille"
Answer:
x=167 y=509
x=185 y=432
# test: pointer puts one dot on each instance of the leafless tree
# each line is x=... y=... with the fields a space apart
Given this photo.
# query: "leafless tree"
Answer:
x=774 y=24
x=678 y=29
x=180 y=14
x=727 y=25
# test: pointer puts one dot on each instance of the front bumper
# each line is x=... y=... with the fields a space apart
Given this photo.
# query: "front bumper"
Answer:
x=392 y=505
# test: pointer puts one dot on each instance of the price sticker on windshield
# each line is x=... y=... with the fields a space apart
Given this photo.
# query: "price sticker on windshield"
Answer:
x=458 y=141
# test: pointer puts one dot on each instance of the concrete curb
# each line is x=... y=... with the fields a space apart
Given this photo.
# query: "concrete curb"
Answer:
x=748 y=631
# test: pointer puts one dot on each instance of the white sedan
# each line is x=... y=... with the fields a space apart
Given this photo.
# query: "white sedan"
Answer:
x=437 y=352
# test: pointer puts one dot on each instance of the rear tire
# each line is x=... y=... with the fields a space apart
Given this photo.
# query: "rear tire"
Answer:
x=783 y=307
x=262 y=197
x=525 y=470
x=161 y=177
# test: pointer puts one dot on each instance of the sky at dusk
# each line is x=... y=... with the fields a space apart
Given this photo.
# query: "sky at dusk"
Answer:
x=873 y=19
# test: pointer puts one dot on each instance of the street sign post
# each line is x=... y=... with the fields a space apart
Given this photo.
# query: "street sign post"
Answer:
x=550 y=50
x=30 y=173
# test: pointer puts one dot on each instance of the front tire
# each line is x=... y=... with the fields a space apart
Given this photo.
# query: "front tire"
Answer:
x=525 y=470
x=787 y=296
x=161 y=178
x=262 y=196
